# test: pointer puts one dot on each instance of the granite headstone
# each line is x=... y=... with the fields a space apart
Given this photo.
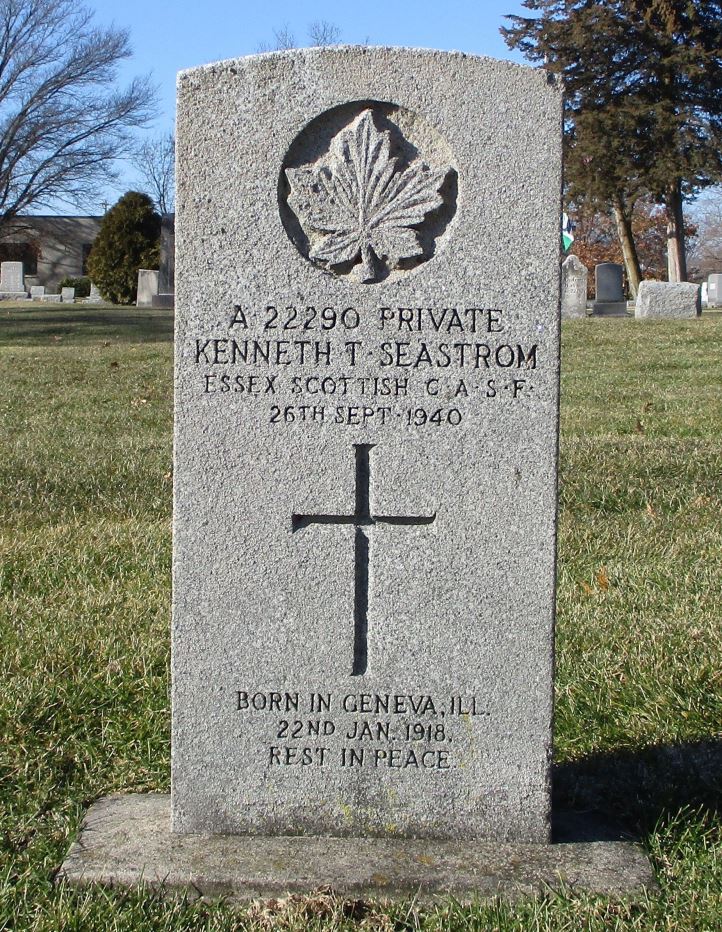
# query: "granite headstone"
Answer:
x=670 y=300
x=366 y=433
x=609 y=300
x=12 y=281
x=714 y=290
x=367 y=362
x=574 y=287
x=95 y=297
x=166 y=276
x=147 y=287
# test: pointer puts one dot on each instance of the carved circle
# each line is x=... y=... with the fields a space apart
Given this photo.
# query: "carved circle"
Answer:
x=367 y=191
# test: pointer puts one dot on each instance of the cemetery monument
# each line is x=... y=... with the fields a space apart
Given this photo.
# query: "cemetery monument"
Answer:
x=714 y=290
x=609 y=300
x=147 y=287
x=574 y=288
x=12 y=281
x=367 y=372
x=668 y=300
x=166 y=274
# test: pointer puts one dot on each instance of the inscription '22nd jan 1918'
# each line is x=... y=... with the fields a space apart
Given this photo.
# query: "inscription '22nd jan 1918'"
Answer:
x=353 y=730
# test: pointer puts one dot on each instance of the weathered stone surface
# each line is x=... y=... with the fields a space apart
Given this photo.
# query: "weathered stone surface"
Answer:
x=51 y=298
x=147 y=287
x=668 y=300
x=608 y=291
x=68 y=295
x=574 y=287
x=126 y=840
x=37 y=292
x=366 y=436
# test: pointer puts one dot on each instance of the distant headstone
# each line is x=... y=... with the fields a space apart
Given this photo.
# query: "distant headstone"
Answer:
x=68 y=295
x=95 y=297
x=37 y=292
x=714 y=290
x=147 y=287
x=574 y=287
x=608 y=291
x=668 y=300
x=365 y=479
x=51 y=298
x=12 y=281
x=166 y=275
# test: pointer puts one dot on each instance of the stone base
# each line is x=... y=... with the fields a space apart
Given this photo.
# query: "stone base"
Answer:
x=610 y=309
x=13 y=296
x=126 y=840
x=163 y=300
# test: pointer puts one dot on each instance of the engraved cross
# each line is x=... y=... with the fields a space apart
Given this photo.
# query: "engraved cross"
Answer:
x=361 y=519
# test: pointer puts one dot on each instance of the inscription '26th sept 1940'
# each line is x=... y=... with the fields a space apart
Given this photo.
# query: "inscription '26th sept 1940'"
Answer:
x=445 y=359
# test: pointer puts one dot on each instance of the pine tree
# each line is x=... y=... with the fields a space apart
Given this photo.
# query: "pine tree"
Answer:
x=643 y=84
x=128 y=240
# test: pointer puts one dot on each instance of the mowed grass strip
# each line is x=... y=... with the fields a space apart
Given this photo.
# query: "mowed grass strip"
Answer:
x=85 y=547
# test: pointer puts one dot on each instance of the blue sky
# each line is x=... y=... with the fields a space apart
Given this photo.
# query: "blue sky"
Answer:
x=167 y=37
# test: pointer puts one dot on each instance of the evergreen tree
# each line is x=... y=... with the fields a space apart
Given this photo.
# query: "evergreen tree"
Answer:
x=643 y=84
x=128 y=240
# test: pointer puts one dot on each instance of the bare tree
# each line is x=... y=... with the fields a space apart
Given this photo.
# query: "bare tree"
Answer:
x=320 y=32
x=706 y=250
x=154 y=161
x=63 y=120
x=283 y=39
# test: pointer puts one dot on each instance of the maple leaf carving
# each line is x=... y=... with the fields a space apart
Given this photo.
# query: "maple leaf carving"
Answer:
x=360 y=205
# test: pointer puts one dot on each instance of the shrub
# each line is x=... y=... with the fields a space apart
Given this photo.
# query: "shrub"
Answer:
x=128 y=240
x=81 y=285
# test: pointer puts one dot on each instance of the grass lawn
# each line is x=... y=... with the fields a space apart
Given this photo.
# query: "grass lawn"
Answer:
x=85 y=549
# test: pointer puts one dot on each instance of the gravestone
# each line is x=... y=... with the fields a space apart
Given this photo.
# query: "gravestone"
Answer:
x=94 y=297
x=147 y=287
x=608 y=291
x=68 y=295
x=368 y=390
x=714 y=290
x=51 y=298
x=670 y=300
x=37 y=292
x=367 y=370
x=166 y=276
x=574 y=287
x=12 y=282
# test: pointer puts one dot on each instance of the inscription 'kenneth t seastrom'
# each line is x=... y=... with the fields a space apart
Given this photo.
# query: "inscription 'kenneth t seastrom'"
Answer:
x=392 y=324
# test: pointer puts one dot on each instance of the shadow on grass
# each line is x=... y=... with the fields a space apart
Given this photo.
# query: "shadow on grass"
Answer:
x=27 y=326
x=597 y=795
